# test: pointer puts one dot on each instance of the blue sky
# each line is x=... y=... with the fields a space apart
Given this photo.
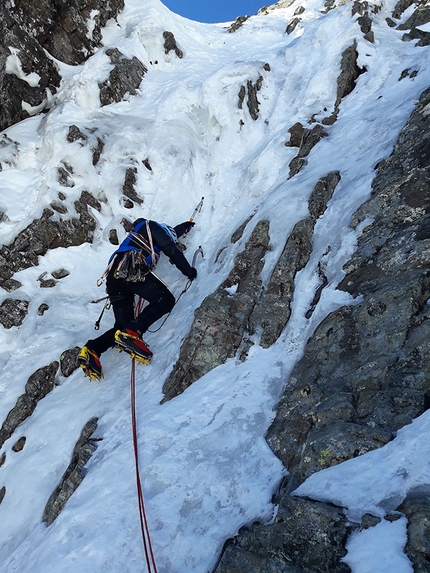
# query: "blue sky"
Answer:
x=215 y=10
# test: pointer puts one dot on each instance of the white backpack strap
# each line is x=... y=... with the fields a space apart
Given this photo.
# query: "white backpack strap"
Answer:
x=102 y=279
x=151 y=244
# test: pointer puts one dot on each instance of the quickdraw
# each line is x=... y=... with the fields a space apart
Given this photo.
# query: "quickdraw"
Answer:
x=106 y=306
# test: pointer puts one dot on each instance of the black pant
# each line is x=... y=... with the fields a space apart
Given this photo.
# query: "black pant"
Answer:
x=121 y=294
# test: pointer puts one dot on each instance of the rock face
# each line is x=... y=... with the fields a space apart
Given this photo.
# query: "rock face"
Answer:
x=307 y=537
x=13 y=312
x=238 y=308
x=69 y=361
x=365 y=372
x=30 y=33
x=38 y=386
x=40 y=236
x=69 y=31
x=74 y=474
x=219 y=323
x=124 y=78
x=417 y=510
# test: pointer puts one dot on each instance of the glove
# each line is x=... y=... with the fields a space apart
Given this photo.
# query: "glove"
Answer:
x=193 y=274
x=184 y=228
x=190 y=225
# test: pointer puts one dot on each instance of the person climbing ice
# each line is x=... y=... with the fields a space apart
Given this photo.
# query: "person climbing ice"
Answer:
x=129 y=273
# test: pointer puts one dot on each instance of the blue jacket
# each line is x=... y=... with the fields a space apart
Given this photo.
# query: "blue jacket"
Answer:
x=163 y=239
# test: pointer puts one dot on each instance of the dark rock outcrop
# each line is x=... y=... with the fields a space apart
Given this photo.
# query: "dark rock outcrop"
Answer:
x=350 y=72
x=125 y=78
x=32 y=32
x=28 y=76
x=42 y=309
x=38 y=386
x=420 y=16
x=42 y=235
x=346 y=81
x=292 y=25
x=273 y=308
x=69 y=361
x=19 y=445
x=170 y=44
x=87 y=137
x=221 y=320
x=70 y=31
x=307 y=537
x=13 y=312
x=252 y=102
x=74 y=474
x=305 y=139
x=238 y=23
x=417 y=510
x=128 y=188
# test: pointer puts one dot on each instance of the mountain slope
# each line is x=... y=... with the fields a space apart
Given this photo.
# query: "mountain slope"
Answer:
x=187 y=132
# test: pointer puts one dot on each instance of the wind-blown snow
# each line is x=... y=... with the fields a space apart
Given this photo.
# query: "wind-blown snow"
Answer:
x=205 y=465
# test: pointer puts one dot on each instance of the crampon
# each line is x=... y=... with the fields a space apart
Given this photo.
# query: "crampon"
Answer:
x=130 y=342
x=89 y=361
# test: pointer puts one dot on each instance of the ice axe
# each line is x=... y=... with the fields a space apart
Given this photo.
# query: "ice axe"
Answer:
x=198 y=251
x=197 y=210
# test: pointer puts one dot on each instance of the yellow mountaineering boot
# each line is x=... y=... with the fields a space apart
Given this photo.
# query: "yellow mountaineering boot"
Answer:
x=132 y=343
x=89 y=361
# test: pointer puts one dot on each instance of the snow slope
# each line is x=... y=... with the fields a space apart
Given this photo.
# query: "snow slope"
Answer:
x=205 y=465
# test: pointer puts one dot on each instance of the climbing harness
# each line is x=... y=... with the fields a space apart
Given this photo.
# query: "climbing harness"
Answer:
x=108 y=302
x=135 y=262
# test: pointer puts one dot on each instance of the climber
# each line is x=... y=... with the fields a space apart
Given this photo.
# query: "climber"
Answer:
x=129 y=273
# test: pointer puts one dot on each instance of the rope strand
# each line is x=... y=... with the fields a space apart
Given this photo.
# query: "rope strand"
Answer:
x=147 y=545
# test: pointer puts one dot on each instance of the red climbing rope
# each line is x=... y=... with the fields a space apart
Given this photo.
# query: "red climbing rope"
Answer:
x=150 y=560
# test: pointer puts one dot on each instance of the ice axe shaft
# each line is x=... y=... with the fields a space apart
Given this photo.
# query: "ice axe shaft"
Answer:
x=197 y=209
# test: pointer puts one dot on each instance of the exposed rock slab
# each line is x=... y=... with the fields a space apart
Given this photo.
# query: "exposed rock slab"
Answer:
x=273 y=308
x=38 y=386
x=306 y=537
x=239 y=308
x=125 y=77
x=221 y=320
x=74 y=474
x=417 y=510
x=32 y=32
x=365 y=372
x=13 y=312
x=42 y=235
